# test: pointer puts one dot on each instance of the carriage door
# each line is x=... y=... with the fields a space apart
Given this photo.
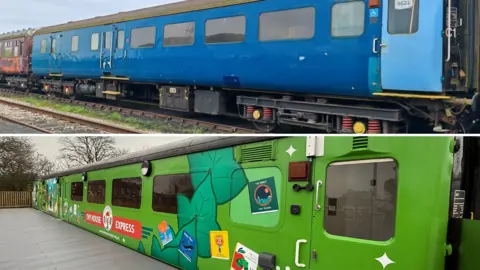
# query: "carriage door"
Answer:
x=56 y=53
x=354 y=215
x=119 y=50
x=106 y=53
x=411 y=47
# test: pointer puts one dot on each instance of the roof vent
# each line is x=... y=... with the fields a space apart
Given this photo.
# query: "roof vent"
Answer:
x=257 y=152
x=360 y=143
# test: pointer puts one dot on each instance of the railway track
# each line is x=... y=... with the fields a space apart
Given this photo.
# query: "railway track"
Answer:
x=182 y=121
x=52 y=122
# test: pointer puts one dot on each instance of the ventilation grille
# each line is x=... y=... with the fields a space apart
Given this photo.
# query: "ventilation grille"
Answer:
x=360 y=143
x=257 y=153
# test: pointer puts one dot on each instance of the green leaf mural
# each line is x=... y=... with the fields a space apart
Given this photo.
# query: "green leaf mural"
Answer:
x=217 y=179
x=141 y=248
x=227 y=180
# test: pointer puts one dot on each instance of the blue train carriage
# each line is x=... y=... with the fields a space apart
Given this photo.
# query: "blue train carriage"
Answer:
x=366 y=66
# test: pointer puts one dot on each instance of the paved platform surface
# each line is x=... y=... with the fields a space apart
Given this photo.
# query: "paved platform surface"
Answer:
x=31 y=240
x=13 y=128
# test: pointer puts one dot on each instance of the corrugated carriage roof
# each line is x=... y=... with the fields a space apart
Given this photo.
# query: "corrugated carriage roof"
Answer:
x=174 y=8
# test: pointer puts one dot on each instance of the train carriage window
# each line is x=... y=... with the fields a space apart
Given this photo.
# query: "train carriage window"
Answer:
x=166 y=188
x=287 y=24
x=20 y=46
x=1 y=49
x=75 y=44
x=403 y=17
x=225 y=30
x=53 y=46
x=107 y=37
x=360 y=200
x=96 y=192
x=127 y=192
x=16 y=51
x=94 y=42
x=8 y=49
x=120 y=39
x=76 y=191
x=348 y=19
x=43 y=46
x=143 y=37
x=179 y=34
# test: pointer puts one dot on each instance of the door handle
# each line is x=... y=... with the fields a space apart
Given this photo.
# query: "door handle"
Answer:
x=317 y=195
x=374 y=48
x=297 y=252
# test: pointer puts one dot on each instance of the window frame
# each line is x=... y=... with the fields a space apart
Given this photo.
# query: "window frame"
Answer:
x=117 y=43
x=127 y=178
x=43 y=46
x=71 y=191
x=104 y=193
x=346 y=3
x=77 y=44
x=97 y=43
x=416 y=12
x=143 y=27
x=180 y=45
x=286 y=39
x=228 y=42
x=167 y=175
x=362 y=161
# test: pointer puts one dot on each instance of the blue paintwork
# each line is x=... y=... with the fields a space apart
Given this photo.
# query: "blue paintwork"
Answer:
x=414 y=62
x=321 y=65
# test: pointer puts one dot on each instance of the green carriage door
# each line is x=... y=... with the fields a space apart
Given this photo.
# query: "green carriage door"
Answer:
x=354 y=214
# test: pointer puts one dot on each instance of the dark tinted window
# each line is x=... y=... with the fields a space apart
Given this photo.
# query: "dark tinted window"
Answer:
x=127 y=192
x=179 y=34
x=360 y=199
x=166 y=188
x=96 y=192
x=77 y=191
x=143 y=37
x=287 y=24
x=224 y=30
x=403 y=17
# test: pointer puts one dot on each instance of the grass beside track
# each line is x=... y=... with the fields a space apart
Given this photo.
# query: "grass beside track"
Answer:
x=149 y=125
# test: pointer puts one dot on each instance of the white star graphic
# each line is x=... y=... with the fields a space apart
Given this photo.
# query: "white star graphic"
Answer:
x=291 y=150
x=384 y=260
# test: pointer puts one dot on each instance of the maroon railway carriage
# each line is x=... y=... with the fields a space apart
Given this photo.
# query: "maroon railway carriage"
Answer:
x=15 y=57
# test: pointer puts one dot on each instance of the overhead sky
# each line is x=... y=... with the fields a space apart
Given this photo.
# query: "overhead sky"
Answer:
x=20 y=14
x=49 y=146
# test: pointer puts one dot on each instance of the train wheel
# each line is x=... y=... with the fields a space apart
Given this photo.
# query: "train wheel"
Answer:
x=265 y=128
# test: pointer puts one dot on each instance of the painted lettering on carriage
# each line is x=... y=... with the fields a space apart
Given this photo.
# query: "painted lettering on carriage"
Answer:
x=131 y=228
x=127 y=227
x=94 y=218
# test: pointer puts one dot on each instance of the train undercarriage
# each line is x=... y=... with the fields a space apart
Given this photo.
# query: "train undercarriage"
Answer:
x=384 y=114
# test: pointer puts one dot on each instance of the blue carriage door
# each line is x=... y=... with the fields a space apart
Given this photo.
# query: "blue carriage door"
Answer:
x=55 y=54
x=119 y=50
x=412 y=45
x=106 y=53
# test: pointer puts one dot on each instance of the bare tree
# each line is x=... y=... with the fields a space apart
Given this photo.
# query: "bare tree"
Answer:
x=78 y=151
x=20 y=164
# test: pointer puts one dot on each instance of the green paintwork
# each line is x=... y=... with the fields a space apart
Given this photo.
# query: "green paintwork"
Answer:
x=470 y=245
x=222 y=202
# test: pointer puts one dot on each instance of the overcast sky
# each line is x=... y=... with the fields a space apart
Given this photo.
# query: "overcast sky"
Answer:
x=19 y=14
x=49 y=146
